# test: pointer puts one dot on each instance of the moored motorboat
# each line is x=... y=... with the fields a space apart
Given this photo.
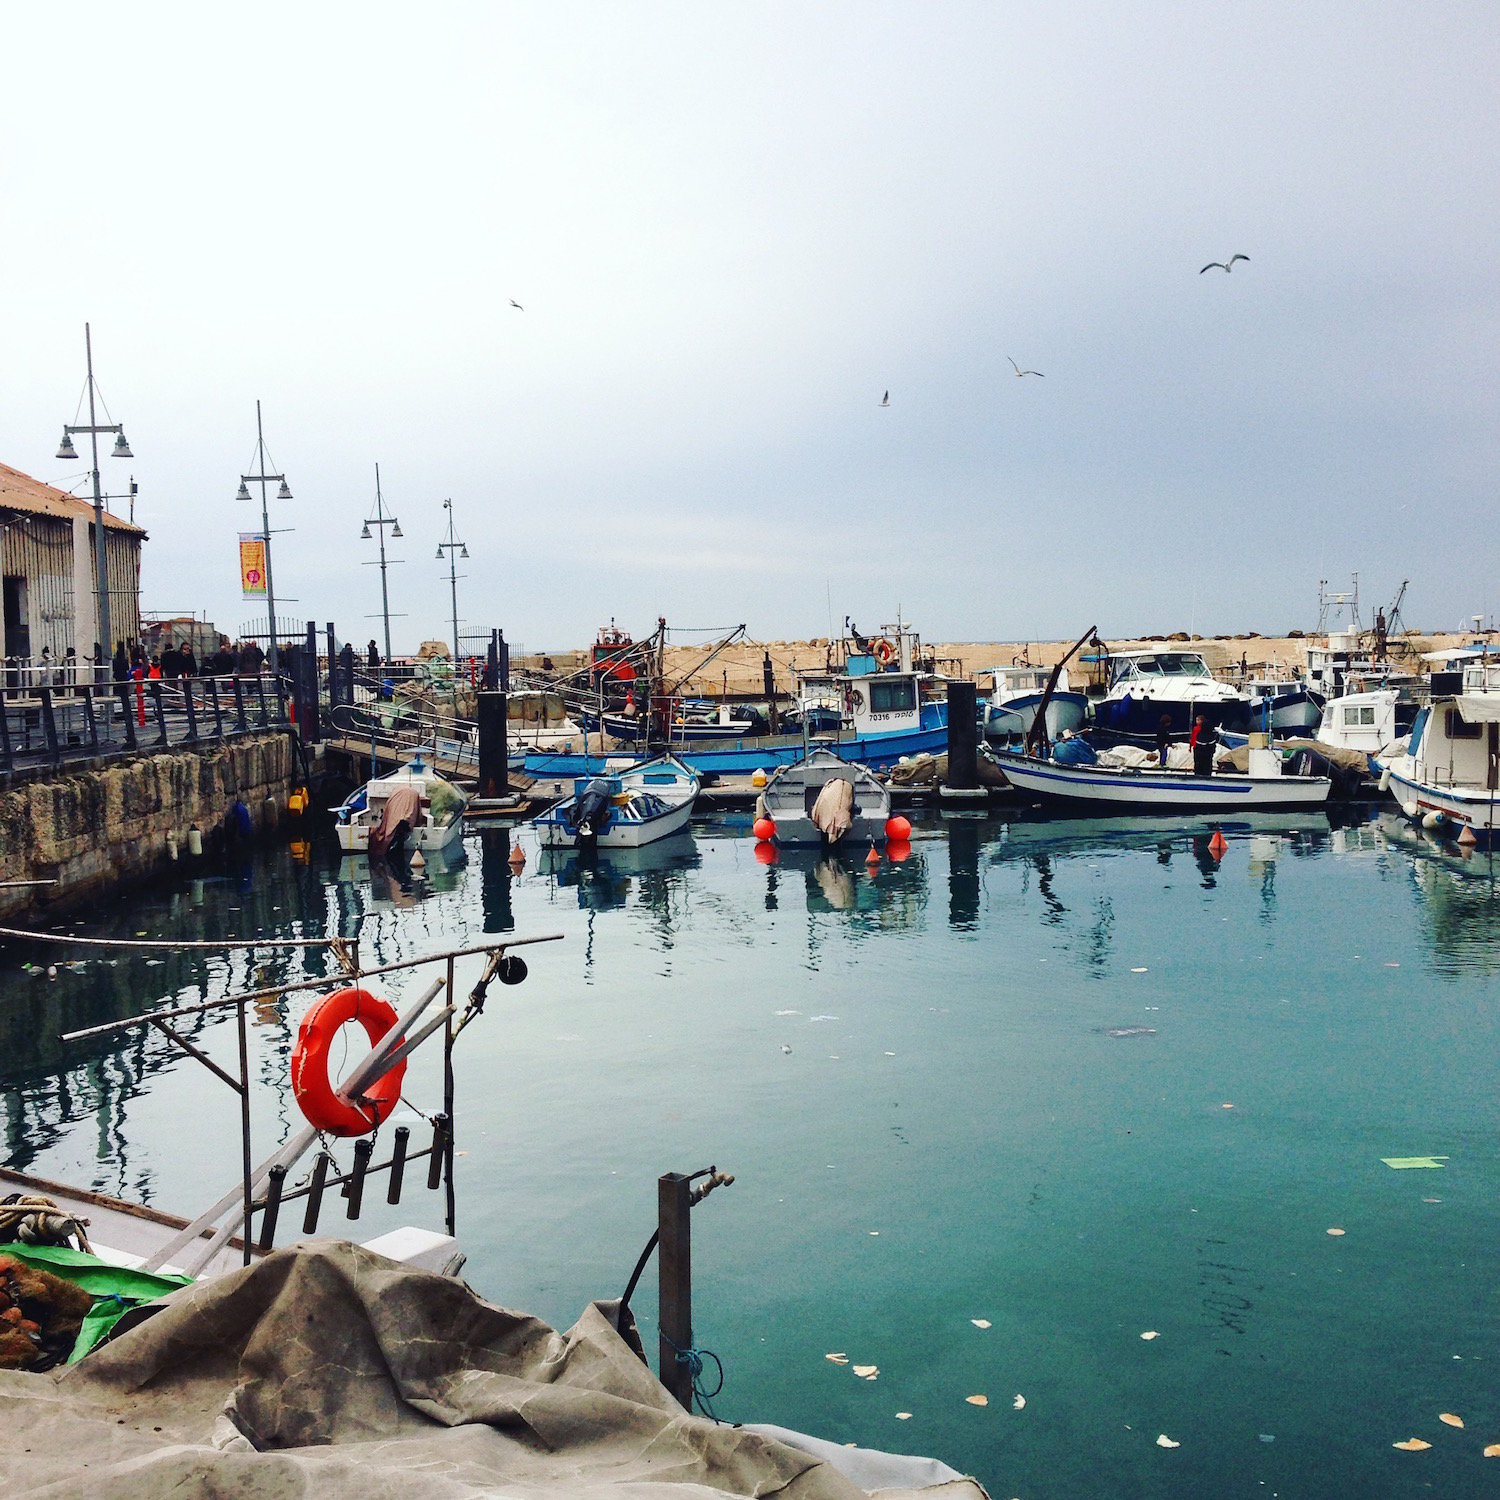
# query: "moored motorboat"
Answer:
x=1108 y=788
x=1018 y=692
x=824 y=800
x=431 y=807
x=1284 y=705
x=623 y=809
x=1170 y=682
x=1448 y=777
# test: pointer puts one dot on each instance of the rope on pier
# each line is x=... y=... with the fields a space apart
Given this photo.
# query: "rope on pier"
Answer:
x=206 y=943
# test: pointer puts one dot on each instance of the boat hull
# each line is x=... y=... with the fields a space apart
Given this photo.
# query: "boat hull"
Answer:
x=354 y=838
x=557 y=835
x=1161 y=791
x=1012 y=720
x=1455 y=807
x=878 y=752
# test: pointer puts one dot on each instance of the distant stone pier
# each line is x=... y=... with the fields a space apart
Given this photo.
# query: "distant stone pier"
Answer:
x=90 y=831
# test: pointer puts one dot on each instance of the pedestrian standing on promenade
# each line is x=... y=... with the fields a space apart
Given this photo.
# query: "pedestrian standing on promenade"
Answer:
x=372 y=657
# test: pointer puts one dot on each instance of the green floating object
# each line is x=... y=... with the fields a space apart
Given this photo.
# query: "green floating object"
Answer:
x=1407 y=1163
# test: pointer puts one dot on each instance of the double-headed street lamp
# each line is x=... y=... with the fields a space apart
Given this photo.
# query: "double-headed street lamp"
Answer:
x=453 y=547
x=284 y=493
x=381 y=520
x=65 y=449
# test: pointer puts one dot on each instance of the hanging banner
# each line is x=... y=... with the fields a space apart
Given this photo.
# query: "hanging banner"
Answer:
x=252 y=565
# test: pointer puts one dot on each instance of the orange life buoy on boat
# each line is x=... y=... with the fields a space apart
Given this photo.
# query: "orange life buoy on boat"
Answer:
x=311 y=1083
x=885 y=652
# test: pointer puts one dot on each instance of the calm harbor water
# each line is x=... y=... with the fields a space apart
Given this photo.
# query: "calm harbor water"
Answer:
x=1074 y=1081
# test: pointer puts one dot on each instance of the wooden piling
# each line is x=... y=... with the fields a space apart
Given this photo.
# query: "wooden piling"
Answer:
x=963 y=737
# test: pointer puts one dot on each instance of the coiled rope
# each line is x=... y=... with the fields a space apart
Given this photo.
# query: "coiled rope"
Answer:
x=693 y=1358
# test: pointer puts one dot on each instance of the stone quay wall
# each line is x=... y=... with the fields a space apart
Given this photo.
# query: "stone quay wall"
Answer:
x=92 y=831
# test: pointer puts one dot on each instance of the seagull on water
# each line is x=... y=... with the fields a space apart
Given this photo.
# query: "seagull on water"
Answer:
x=1019 y=371
x=885 y=400
x=516 y=305
x=1225 y=265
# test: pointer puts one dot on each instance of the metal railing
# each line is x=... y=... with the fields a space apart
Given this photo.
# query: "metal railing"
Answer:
x=49 y=725
x=400 y=730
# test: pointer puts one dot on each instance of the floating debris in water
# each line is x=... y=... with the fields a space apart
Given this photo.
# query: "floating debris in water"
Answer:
x=1412 y=1445
x=1450 y=1419
x=812 y=1019
x=1266 y=1437
x=977 y=1400
x=1432 y=1200
x=1336 y=1232
x=787 y=1012
x=1150 y=1334
x=1163 y=1441
x=785 y=1048
x=903 y=1416
x=1127 y=1031
x=1019 y=1402
x=867 y=1372
x=980 y=1322
x=1412 y=1163
x=1493 y=1451
x=838 y=1359
x=1226 y=1106
x=1140 y=971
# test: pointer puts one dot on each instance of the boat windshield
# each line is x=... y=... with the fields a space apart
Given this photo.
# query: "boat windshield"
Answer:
x=1181 y=664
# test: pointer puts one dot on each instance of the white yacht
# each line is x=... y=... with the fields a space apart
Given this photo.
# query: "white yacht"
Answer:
x=1144 y=685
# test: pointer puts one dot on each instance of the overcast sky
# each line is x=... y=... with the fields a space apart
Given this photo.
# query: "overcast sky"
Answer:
x=731 y=230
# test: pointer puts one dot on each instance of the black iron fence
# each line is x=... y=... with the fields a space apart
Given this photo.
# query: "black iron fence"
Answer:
x=48 y=725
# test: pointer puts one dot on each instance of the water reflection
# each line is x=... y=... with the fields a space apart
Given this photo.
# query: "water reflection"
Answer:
x=964 y=835
x=1458 y=896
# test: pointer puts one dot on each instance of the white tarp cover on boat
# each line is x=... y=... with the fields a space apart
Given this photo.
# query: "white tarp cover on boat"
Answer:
x=327 y=1370
x=1478 y=708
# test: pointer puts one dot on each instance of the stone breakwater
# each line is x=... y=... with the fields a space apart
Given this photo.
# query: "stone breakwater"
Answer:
x=92 y=831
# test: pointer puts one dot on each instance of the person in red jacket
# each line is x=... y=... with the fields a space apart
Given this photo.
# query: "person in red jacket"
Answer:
x=1203 y=742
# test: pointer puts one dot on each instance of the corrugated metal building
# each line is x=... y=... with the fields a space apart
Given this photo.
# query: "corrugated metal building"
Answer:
x=48 y=571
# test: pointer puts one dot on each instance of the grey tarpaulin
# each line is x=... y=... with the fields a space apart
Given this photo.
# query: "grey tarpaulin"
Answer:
x=326 y=1370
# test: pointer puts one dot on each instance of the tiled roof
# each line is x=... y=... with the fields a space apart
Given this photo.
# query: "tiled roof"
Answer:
x=20 y=491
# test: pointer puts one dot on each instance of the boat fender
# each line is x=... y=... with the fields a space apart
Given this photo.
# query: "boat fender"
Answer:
x=1433 y=819
x=764 y=829
x=1385 y=781
x=312 y=1085
x=898 y=828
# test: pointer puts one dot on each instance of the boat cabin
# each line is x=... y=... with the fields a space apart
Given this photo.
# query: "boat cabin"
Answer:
x=1155 y=666
x=1455 y=741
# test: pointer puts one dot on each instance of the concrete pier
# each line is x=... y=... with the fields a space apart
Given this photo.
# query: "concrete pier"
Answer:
x=93 y=830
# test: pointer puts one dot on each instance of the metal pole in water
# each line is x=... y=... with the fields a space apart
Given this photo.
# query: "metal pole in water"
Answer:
x=674 y=1262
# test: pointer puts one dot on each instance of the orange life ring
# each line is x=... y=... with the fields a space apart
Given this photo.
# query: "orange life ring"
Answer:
x=311 y=1084
x=885 y=653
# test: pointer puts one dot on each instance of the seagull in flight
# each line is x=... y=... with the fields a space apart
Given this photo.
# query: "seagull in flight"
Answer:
x=516 y=305
x=1019 y=371
x=885 y=400
x=1225 y=265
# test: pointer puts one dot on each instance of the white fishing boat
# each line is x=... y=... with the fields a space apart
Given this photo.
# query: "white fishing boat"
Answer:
x=1373 y=720
x=1283 y=705
x=537 y=720
x=431 y=807
x=1108 y=788
x=1448 y=777
x=1012 y=706
x=623 y=809
x=823 y=800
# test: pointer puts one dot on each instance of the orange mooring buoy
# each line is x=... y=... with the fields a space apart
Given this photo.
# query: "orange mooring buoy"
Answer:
x=1217 y=845
x=517 y=857
x=872 y=858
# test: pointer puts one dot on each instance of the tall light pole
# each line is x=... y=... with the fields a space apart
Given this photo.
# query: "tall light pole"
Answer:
x=452 y=547
x=65 y=449
x=284 y=493
x=382 y=520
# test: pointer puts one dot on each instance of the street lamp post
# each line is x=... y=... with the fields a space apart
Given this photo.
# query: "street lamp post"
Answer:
x=381 y=520
x=65 y=449
x=454 y=548
x=284 y=493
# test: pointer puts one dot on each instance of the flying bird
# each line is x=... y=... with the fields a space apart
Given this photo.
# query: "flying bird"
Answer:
x=1019 y=371
x=1225 y=265
x=516 y=305
x=885 y=400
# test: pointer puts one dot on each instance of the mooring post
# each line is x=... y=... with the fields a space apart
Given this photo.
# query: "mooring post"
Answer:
x=333 y=670
x=494 y=769
x=674 y=1260
x=307 y=710
x=963 y=737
